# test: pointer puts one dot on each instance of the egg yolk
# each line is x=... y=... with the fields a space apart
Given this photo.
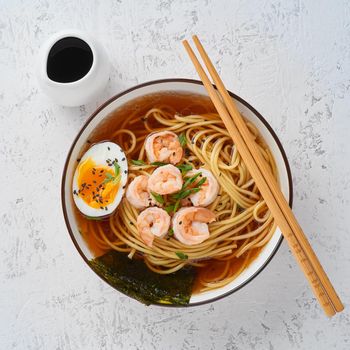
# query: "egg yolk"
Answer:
x=96 y=188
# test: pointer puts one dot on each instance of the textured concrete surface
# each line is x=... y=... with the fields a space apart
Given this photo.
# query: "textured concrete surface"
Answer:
x=290 y=59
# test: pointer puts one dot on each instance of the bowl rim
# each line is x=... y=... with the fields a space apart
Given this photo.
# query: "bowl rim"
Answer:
x=176 y=80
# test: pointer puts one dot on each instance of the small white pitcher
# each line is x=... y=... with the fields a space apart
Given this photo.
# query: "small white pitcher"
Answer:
x=85 y=89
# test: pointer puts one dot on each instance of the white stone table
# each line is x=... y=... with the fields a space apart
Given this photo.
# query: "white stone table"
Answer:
x=289 y=59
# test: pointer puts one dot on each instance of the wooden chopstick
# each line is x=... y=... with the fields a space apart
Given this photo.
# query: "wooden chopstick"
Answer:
x=263 y=187
x=262 y=175
x=270 y=179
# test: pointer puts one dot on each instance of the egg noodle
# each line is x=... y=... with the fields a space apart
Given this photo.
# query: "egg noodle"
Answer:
x=243 y=221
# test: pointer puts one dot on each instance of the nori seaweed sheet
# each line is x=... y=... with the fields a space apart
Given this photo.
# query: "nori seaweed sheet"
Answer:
x=135 y=279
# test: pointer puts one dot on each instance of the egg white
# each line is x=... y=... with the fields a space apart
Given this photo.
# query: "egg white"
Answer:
x=99 y=153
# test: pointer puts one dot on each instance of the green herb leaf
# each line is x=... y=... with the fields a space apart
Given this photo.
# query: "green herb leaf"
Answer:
x=138 y=162
x=159 y=198
x=182 y=255
x=182 y=140
x=158 y=163
x=184 y=168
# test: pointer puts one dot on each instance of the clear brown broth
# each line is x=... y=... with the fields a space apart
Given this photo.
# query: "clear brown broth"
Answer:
x=183 y=103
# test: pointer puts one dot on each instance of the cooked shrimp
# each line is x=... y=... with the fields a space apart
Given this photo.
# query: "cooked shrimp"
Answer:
x=137 y=193
x=163 y=146
x=209 y=190
x=152 y=222
x=190 y=225
x=165 y=180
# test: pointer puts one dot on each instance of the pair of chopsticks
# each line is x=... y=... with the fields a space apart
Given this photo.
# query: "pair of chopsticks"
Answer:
x=262 y=175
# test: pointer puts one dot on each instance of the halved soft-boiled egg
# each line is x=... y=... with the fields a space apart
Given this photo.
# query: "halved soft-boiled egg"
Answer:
x=99 y=180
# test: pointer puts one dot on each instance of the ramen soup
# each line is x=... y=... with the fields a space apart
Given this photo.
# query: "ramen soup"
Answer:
x=174 y=210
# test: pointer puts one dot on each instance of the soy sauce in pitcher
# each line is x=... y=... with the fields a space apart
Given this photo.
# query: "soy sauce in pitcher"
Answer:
x=69 y=60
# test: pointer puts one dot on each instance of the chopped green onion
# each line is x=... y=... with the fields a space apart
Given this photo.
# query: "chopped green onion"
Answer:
x=184 y=168
x=116 y=169
x=182 y=255
x=159 y=163
x=115 y=178
x=185 y=193
x=190 y=180
x=138 y=162
x=201 y=182
x=182 y=194
x=195 y=190
x=159 y=198
x=170 y=208
x=170 y=233
x=176 y=206
x=109 y=178
x=182 y=140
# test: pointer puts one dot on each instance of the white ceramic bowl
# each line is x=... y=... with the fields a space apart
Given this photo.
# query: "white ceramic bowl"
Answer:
x=190 y=86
